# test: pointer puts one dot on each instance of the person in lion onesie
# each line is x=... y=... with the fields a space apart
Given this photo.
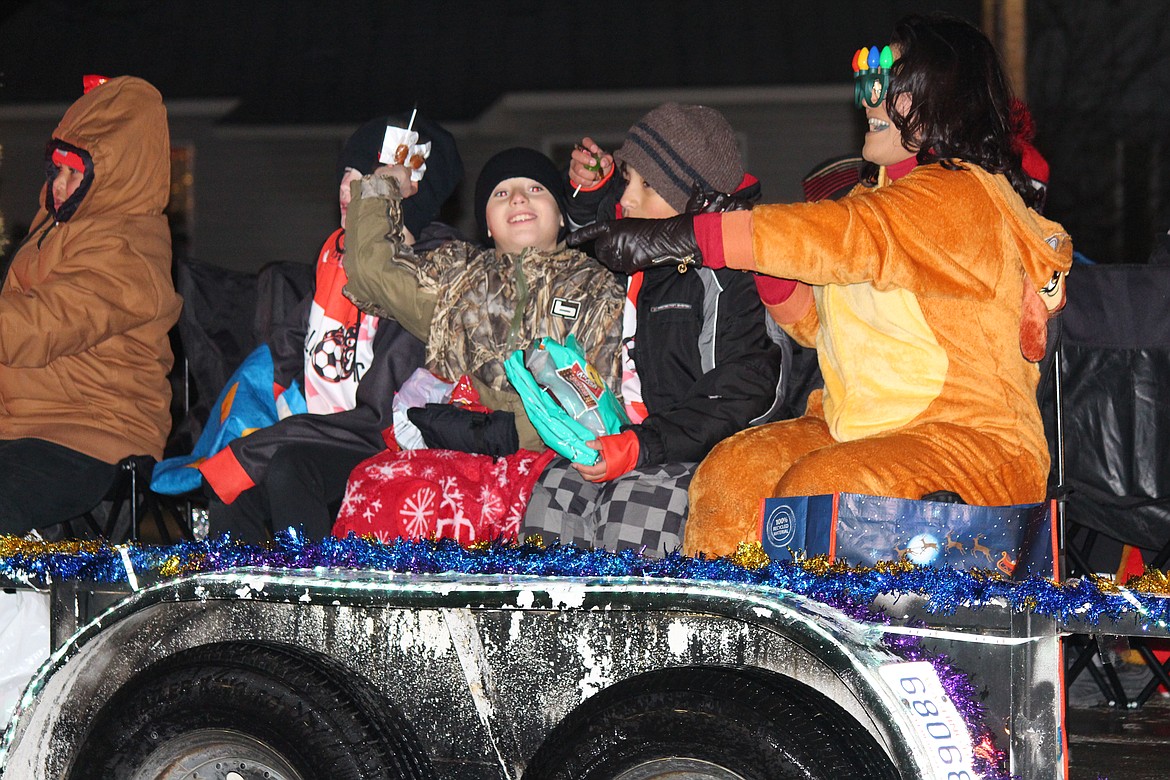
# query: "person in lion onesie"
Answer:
x=926 y=293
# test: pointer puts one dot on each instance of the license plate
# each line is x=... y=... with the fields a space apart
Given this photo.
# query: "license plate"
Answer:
x=938 y=724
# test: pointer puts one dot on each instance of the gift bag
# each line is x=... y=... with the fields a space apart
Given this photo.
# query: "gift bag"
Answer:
x=1015 y=540
x=564 y=396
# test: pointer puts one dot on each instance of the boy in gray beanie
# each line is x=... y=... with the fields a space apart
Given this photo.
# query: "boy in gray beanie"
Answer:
x=697 y=361
x=679 y=148
x=676 y=149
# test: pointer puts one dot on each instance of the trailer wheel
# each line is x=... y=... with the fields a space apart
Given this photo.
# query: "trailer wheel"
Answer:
x=245 y=712
x=717 y=724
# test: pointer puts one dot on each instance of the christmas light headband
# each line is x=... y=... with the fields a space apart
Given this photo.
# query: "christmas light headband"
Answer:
x=871 y=76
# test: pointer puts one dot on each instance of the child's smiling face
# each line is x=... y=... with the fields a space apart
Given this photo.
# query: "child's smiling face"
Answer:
x=522 y=213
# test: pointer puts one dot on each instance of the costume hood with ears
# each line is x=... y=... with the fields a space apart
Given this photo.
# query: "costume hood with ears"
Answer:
x=444 y=166
x=514 y=163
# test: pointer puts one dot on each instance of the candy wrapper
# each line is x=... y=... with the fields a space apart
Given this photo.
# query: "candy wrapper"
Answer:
x=567 y=402
x=401 y=147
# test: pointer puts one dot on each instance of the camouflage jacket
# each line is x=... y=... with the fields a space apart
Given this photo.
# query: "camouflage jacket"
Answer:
x=473 y=307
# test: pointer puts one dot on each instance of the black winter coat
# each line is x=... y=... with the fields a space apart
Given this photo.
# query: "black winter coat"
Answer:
x=708 y=363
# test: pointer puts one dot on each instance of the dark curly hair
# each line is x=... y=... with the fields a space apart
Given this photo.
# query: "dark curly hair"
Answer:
x=960 y=101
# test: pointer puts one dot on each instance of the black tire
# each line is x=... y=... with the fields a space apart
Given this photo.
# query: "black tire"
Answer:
x=702 y=722
x=248 y=711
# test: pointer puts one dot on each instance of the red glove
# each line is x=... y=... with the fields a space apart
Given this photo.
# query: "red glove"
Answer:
x=620 y=452
x=597 y=184
x=619 y=455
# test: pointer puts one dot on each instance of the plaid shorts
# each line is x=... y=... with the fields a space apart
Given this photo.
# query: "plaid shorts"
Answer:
x=644 y=509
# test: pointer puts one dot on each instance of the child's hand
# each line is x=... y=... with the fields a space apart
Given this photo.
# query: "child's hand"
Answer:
x=618 y=454
x=589 y=164
x=596 y=471
x=399 y=173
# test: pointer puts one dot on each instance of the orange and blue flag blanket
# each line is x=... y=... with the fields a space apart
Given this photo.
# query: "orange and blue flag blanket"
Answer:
x=245 y=404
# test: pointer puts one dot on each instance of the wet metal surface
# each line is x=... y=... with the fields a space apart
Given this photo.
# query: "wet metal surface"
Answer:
x=470 y=657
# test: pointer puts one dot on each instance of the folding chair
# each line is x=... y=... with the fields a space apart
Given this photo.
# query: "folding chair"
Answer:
x=1111 y=414
x=225 y=315
x=215 y=330
x=1115 y=371
x=128 y=502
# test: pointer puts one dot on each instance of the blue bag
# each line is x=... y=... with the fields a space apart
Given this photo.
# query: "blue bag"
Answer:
x=1015 y=540
x=244 y=404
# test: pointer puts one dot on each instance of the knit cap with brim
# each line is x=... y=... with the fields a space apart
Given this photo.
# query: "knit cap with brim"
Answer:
x=677 y=147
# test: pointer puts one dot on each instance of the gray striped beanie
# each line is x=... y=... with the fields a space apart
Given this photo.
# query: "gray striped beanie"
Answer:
x=676 y=147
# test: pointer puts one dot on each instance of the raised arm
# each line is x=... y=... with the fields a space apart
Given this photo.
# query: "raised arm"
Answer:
x=386 y=277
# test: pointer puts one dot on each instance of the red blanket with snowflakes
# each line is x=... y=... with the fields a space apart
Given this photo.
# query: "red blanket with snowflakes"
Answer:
x=429 y=493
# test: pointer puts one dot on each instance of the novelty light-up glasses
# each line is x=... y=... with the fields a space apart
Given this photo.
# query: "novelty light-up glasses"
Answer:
x=871 y=76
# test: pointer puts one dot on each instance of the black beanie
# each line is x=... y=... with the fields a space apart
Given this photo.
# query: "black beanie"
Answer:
x=513 y=163
x=444 y=166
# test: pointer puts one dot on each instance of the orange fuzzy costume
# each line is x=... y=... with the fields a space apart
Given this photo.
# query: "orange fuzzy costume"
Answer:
x=923 y=297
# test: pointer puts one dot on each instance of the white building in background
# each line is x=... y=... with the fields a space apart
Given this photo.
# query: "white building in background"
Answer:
x=245 y=196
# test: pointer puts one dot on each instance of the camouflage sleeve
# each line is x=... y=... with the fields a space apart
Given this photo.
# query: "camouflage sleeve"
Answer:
x=385 y=276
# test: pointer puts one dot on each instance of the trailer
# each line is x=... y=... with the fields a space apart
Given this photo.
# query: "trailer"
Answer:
x=469 y=664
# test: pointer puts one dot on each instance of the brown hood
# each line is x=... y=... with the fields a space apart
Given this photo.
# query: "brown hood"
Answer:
x=123 y=126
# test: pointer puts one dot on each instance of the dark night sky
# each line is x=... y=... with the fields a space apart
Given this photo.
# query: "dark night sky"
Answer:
x=336 y=61
x=1098 y=70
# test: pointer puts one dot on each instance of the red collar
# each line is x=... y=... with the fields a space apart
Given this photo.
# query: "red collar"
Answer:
x=898 y=170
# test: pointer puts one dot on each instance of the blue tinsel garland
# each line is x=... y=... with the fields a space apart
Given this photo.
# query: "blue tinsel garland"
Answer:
x=943 y=589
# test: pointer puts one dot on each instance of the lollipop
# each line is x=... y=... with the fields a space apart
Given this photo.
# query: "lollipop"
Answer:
x=595 y=167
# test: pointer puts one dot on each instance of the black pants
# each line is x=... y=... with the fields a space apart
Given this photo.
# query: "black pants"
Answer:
x=43 y=483
x=303 y=486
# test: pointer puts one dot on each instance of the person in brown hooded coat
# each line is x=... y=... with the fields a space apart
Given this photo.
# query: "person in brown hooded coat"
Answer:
x=85 y=309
